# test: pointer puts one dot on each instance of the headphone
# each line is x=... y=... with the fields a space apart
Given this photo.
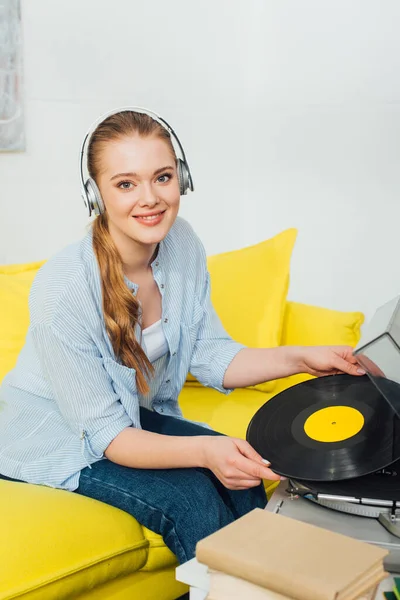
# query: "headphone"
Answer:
x=90 y=192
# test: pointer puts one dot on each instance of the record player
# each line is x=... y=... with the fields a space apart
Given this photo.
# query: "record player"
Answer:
x=337 y=440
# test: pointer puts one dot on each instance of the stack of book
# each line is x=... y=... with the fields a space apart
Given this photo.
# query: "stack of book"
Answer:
x=266 y=556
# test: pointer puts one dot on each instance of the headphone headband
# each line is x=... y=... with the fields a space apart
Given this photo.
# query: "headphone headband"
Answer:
x=89 y=190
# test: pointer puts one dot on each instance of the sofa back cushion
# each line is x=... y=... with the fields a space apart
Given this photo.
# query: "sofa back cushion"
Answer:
x=307 y=325
x=15 y=284
x=248 y=290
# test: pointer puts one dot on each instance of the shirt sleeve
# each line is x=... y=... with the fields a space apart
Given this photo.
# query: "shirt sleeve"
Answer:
x=214 y=349
x=83 y=389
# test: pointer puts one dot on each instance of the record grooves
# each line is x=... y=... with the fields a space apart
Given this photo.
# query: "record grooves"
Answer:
x=327 y=429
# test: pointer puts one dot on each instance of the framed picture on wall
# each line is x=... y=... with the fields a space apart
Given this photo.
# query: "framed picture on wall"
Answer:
x=12 y=136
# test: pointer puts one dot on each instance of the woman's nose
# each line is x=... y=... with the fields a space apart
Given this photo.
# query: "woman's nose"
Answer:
x=148 y=196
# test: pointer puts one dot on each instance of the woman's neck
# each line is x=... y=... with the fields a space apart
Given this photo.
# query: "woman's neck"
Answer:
x=136 y=257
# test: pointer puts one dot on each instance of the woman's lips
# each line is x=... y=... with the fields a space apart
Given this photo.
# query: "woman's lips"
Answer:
x=150 y=220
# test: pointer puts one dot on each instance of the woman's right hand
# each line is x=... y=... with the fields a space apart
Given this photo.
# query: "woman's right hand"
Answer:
x=235 y=463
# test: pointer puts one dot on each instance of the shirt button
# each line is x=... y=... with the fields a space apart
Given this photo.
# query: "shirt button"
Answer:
x=174 y=354
x=165 y=320
x=161 y=409
x=168 y=381
x=156 y=264
x=162 y=286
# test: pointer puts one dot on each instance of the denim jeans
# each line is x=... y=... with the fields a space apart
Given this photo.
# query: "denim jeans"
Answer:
x=182 y=505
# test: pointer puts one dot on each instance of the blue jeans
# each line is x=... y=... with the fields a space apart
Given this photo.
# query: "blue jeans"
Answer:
x=182 y=505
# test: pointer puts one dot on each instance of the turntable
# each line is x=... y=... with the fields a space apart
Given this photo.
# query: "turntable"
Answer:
x=337 y=440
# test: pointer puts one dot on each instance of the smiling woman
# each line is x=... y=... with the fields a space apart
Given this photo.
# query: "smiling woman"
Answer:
x=116 y=323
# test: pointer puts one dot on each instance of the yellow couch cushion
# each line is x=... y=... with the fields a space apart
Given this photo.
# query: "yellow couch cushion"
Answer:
x=142 y=585
x=15 y=284
x=248 y=291
x=313 y=325
x=55 y=542
x=159 y=556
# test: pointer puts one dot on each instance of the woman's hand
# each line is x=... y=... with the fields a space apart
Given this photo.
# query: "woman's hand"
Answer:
x=234 y=462
x=329 y=360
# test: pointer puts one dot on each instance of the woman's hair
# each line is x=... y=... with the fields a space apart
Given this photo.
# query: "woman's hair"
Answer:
x=120 y=307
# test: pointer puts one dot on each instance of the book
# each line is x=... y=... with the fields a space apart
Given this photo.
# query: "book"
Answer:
x=292 y=558
x=228 y=587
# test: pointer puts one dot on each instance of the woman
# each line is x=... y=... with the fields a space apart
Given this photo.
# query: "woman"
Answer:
x=117 y=321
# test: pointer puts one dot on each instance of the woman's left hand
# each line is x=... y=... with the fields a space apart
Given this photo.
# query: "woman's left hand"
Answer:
x=329 y=360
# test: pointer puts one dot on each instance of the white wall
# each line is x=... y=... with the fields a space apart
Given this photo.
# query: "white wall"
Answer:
x=289 y=112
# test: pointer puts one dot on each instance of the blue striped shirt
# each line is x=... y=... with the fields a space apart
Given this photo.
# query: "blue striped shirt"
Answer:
x=68 y=396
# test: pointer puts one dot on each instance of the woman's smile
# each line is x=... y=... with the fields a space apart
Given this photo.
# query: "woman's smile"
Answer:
x=150 y=219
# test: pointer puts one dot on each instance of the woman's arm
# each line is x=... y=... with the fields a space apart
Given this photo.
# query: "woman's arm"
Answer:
x=142 y=449
x=257 y=365
x=233 y=461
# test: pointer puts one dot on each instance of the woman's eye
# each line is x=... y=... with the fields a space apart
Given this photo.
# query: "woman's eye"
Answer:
x=164 y=178
x=125 y=185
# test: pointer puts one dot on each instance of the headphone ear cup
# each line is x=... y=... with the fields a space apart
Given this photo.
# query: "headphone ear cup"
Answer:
x=184 y=177
x=95 y=200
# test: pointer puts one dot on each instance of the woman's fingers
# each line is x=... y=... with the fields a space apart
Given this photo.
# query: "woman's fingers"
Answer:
x=236 y=464
x=345 y=366
x=257 y=470
x=261 y=469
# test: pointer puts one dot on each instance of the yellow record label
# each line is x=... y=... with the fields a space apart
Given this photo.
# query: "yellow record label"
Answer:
x=334 y=424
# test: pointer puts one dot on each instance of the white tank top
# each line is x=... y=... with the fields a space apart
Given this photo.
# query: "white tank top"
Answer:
x=154 y=342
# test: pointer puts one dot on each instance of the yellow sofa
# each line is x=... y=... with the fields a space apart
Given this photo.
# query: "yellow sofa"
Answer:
x=58 y=545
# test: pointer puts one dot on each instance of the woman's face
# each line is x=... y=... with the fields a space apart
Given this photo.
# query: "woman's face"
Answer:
x=139 y=185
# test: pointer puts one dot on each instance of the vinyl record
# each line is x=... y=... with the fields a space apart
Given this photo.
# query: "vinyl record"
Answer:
x=327 y=429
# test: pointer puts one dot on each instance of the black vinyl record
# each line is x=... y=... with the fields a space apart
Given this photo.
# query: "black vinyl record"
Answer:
x=327 y=429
